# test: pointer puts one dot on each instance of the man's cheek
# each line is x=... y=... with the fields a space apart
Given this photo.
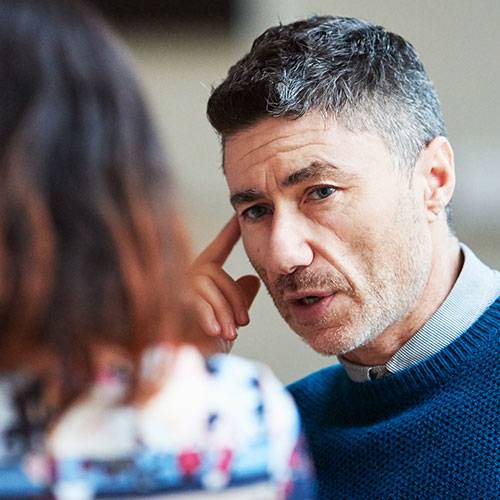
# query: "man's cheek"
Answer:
x=258 y=265
x=255 y=253
x=252 y=248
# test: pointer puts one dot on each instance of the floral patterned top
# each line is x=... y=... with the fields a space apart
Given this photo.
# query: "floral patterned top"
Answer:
x=218 y=428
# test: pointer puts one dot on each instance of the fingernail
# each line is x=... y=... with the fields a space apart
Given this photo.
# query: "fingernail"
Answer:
x=231 y=332
x=216 y=327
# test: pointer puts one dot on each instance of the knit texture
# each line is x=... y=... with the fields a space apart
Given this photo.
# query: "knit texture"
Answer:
x=429 y=432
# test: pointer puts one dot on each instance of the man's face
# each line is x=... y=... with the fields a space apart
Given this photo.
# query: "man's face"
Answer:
x=337 y=234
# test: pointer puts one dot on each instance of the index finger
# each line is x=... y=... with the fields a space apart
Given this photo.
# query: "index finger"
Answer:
x=219 y=250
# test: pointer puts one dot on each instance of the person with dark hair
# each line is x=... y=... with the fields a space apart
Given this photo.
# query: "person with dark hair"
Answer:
x=341 y=175
x=104 y=390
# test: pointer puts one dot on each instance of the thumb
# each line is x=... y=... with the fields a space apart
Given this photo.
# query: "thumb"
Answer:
x=250 y=285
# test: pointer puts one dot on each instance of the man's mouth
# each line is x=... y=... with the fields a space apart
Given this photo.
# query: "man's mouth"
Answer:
x=309 y=306
x=309 y=300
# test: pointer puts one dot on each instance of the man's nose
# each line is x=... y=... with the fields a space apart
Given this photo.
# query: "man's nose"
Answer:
x=289 y=247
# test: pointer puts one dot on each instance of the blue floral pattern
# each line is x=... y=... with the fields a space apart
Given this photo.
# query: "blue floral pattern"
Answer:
x=216 y=428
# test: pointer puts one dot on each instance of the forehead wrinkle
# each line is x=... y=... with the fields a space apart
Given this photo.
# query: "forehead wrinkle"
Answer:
x=260 y=146
x=287 y=150
x=275 y=139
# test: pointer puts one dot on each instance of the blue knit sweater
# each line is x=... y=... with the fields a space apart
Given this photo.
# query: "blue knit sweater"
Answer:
x=429 y=432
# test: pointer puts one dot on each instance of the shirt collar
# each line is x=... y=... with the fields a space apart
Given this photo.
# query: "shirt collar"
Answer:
x=360 y=373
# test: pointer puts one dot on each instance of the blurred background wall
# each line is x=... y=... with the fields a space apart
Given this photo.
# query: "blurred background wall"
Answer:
x=179 y=58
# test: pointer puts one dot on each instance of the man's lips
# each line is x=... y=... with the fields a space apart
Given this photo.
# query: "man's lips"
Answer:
x=298 y=297
x=309 y=306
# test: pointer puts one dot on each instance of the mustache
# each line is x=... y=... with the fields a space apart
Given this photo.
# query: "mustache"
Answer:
x=305 y=279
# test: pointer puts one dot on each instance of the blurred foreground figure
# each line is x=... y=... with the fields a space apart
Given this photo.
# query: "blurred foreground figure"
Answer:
x=340 y=172
x=103 y=389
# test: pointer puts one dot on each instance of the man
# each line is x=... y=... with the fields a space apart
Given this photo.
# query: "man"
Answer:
x=340 y=174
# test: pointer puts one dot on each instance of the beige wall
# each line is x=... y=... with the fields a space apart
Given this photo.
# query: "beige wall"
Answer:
x=458 y=40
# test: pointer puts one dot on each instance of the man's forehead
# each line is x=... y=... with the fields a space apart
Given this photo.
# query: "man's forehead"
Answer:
x=274 y=134
x=299 y=141
x=290 y=151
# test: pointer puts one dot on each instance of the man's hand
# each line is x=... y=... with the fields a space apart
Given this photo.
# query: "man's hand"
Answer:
x=220 y=303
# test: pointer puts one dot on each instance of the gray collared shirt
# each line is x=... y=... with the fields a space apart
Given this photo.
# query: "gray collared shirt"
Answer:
x=475 y=290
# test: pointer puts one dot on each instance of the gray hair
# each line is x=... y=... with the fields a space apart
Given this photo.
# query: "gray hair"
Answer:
x=365 y=77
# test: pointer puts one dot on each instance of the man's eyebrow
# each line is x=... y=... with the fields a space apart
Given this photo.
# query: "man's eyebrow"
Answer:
x=243 y=197
x=315 y=170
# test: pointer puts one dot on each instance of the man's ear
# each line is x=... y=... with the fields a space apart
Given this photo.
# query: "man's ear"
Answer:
x=437 y=167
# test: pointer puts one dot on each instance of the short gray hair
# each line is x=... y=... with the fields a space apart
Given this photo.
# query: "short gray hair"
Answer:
x=365 y=77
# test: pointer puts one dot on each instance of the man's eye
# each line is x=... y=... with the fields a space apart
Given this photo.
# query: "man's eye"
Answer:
x=256 y=212
x=321 y=192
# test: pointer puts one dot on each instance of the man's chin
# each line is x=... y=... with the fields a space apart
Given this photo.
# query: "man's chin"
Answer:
x=329 y=341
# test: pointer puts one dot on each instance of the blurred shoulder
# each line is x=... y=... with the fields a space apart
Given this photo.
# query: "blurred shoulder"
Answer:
x=224 y=385
x=214 y=423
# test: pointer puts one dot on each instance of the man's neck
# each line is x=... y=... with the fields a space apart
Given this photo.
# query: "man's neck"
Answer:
x=444 y=273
